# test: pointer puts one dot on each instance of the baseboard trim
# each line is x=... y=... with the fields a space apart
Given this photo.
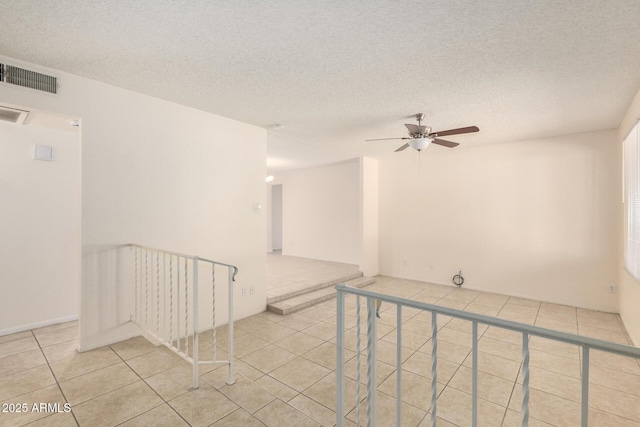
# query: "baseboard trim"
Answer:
x=37 y=325
x=605 y=309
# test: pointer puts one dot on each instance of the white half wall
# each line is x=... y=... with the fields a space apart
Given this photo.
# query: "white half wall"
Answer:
x=39 y=227
x=162 y=175
x=320 y=212
x=536 y=219
x=628 y=286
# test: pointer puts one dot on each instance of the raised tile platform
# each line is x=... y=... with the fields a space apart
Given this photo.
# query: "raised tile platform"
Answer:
x=305 y=298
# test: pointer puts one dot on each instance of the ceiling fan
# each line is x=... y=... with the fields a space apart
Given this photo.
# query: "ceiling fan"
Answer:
x=421 y=136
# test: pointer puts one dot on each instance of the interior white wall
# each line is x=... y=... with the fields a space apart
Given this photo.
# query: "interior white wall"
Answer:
x=628 y=286
x=369 y=217
x=269 y=219
x=320 y=212
x=40 y=227
x=163 y=175
x=276 y=217
x=536 y=219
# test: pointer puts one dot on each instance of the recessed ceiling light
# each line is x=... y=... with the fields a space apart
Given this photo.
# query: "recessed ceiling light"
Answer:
x=278 y=126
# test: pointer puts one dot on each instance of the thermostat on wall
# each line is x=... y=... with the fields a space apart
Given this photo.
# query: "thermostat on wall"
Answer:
x=43 y=152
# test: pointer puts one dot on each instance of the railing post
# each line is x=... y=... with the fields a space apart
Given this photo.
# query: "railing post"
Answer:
x=525 y=380
x=340 y=357
x=434 y=367
x=157 y=293
x=358 y=352
x=179 y=338
x=135 y=292
x=146 y=289
x=164 y=295
x=474 y=375
x=171 y=299
x=196 y=340
x=585 y=386
x=371 y=362
x=399 y=365
x=230 y=379
x=213 y=312
x=186 y=307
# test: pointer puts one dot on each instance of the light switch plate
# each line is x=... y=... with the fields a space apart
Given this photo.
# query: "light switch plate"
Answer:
x=43 y=152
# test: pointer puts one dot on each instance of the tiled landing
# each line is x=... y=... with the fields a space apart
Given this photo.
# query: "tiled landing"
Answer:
x=286 y=370
x=289 y=276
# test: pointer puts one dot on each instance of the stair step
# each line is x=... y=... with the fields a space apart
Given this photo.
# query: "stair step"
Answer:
x=312 y=297
x=327 y=284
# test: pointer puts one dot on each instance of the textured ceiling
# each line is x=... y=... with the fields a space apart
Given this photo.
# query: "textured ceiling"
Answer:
x=338 y=72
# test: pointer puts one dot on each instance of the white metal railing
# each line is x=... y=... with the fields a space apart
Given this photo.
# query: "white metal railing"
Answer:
x=585 y=343
x=175 y=303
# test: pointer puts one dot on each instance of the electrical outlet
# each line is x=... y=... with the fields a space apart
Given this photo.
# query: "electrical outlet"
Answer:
x=613 y=289
x=252 y=290
x=244 y=291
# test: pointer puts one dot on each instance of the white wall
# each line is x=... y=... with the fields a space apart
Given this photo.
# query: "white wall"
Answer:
x=39 y=228
x=320 y=212
x=629 y=287
x=162 y=175
x=269 y=216
x=276 y=217
x=369 y=216
x=536 y=219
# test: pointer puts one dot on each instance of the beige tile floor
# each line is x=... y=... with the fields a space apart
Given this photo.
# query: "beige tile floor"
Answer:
x=286 y=273
x=286 y=370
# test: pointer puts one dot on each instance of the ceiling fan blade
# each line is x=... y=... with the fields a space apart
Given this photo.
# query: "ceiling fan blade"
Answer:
x=403 y=147
x=458 y=131
x=445 y=143
x=383 y=139
x=415 y=129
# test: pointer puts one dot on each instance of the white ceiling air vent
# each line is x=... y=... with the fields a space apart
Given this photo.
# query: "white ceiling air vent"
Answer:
x=12 y=115
x=27 y=78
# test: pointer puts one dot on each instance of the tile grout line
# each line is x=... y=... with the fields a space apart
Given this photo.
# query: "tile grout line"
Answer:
x=240 y=408
x=55 y=378
x=147 y=384
x=300 y=356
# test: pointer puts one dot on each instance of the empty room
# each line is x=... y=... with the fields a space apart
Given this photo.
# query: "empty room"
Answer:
x=322 y=213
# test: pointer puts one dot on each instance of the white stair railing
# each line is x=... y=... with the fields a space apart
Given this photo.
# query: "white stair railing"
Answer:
x=166 y=304
x=585 y=343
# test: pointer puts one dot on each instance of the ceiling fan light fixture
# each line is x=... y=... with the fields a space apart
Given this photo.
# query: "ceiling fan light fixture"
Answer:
x=420 y=143
x=420 y=137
